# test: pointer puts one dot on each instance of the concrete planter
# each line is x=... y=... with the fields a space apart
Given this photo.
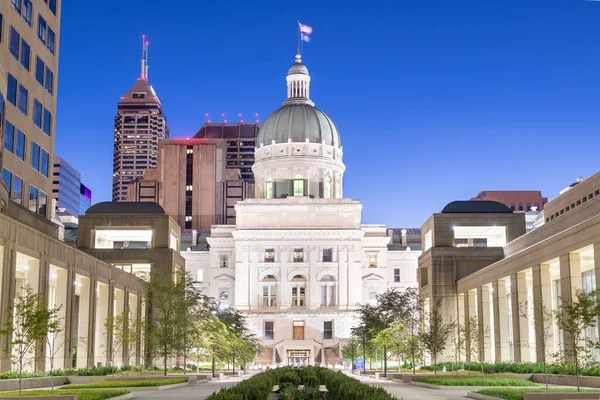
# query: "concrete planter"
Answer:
x=31 y=383
x=560 y=396
x=442 y=387
x=61 y=397
x=93 y=379
x=568 y=380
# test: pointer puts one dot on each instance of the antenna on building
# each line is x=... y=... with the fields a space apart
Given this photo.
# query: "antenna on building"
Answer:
x=256 y=115
x=144 y=61
x=241 y=120
x=223 y=117
x=207 y=120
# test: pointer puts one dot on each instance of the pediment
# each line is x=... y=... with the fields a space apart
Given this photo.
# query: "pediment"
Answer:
x=372 y=277
x=225 y=277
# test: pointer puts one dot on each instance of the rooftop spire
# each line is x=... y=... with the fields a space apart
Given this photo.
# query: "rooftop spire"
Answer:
x=298 y=83
x=144 y=61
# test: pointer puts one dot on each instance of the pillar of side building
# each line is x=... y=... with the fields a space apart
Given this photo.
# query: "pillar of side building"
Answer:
x=518 y=296
x=570 y=283
x=485 y=323
x=542 y=309
x=597 y=274
x=101 y=342
x=83 y=292
x=132 y=352
x=119 y=310
x=9 y=266
x=500 y=321
x=469 y=310
x=59 y=278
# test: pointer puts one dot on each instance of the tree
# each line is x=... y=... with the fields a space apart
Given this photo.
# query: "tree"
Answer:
x=472 y=338
x=573 y=317
x=436 y=332
x=350 y=350
x=543 y=320
x=411 y=342
x=29 y=321
x=166 y=298
x=55 y=339
x=115 y=328
x=458 y=338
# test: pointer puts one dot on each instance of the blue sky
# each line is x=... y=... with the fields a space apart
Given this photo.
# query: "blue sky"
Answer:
x=434 y=100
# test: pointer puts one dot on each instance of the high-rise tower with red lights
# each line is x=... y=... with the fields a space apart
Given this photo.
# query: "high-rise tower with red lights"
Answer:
x=139 y=124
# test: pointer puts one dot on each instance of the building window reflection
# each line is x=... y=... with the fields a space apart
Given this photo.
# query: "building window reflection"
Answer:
x=298 y=291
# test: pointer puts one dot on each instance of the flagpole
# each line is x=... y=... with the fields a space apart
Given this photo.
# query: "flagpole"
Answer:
x=299 y=35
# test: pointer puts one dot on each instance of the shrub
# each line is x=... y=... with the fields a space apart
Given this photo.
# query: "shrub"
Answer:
x=81 y=394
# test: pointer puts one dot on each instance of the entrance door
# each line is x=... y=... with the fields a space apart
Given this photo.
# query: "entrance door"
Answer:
x=298 y=358
x=298 y=330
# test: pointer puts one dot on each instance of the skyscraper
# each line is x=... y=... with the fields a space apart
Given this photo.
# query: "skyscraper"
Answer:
x=139 y=124
x=29 y=45
x=68 y=190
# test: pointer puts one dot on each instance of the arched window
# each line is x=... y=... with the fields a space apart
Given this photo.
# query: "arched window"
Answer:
x=268 y=188
x=224 y=300
x=327 y=187
x=298 y=186
x=269 y=297
x=298 y=291
x=327 y=291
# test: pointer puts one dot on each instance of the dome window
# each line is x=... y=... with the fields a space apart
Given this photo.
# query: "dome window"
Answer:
x=268 y=188
x=298 y=186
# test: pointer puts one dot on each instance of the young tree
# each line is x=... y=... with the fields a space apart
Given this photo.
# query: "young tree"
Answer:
x=114 y=327
x=55 y=340
x=458 y=338
x=573 y=317
x=543 y=319
x=411 y=343
x=472 y=338
x=436 y=332
x=350 y=350
x=29 y=321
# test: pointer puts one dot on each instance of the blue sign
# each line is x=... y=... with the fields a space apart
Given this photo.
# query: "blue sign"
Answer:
x=360 y=363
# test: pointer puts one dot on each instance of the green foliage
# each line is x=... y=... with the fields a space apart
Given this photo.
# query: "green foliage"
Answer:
x=473 y=381
x=436 y=332
x=125 y=383
x=517 y=394
x=339 y=385
x=517 y=368
x=81 y=394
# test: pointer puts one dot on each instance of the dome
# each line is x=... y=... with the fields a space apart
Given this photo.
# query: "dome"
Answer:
x=475 y=207
x=299 y=122
x=298 y=69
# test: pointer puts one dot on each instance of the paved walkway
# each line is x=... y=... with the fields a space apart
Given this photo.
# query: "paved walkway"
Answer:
x=203 y=390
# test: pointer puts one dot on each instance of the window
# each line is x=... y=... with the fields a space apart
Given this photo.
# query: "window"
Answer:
x=20 y=146
x=397 y=275
x=200 y=275
x=268 y=188
x=35 y=156
x=327 y=329
x=298 y=291
x=27 y=11
x=1 y=26
x=11 y=94
x=23 y=94
x=37 y=113
x=33 y=196
x=298 y=186
x=373 y=261
x=269 y=291
x=39 y=70
x=224 y=260
x=269 y=330
x=49 y=80
x=51 y=40
x=41 y=29
x=14 y=41
x=42 y=202
x=45 y=163
x=47 y=122
x=17 y=193
x=7 y=179
x=52 y=6
x=298 y=255
x=327 y=291
x=17 y=5
x=328 y=255
x=269 y=255
x=25 y=54
x=9 y=137
x=224 y=300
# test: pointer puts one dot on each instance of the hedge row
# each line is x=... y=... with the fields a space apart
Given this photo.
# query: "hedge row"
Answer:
x=517 y=368
x=94 y=371
x=340 y=386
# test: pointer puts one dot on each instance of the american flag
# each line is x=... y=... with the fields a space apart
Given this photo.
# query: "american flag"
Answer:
x=305 y=31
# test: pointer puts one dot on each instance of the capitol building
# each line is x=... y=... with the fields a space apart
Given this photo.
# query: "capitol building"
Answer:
x=299 y=261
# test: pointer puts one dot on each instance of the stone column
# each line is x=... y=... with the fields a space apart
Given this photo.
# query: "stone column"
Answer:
x=469 y=310
x=500 y=321
x=342 y=286
x=570 y=283
x=9 y=267
x=518 y=296
x=542 y=307
x=597 y=274
x=485 y=326
x=69 y=320
x=242 y=277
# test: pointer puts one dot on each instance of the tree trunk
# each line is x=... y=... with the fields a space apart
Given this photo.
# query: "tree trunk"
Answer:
x=20 y=376
x=184 y=362
x=165 y=362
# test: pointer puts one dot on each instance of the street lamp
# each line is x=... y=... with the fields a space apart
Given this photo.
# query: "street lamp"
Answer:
x=385 y=313
x=213 y=312
x=364 y=349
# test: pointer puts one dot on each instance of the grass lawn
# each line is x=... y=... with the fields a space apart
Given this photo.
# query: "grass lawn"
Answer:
x=124 y=383
x=473 y=381
x=81 y=394
x=517 y=394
